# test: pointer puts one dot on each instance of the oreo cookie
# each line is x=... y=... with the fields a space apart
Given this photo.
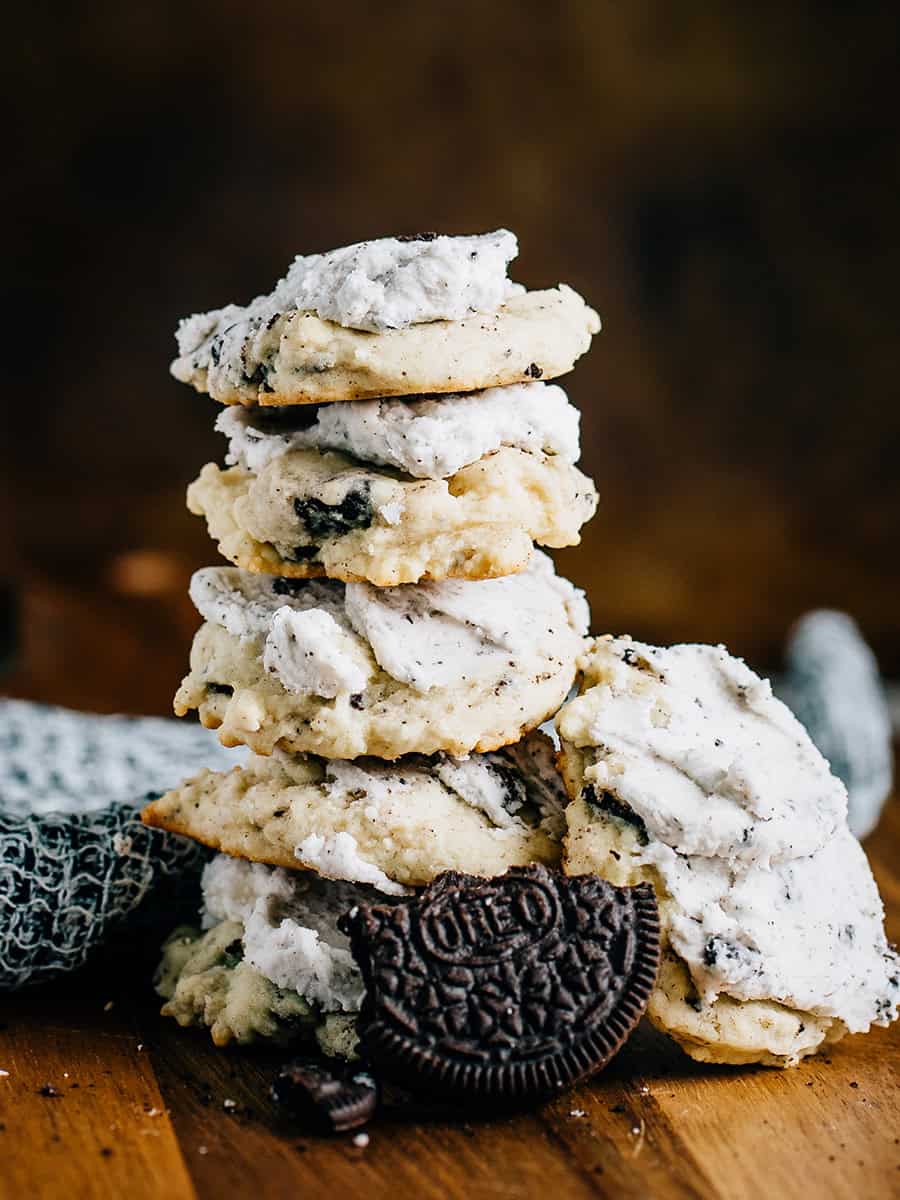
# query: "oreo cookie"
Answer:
x=329 y=1100
x=505 y=990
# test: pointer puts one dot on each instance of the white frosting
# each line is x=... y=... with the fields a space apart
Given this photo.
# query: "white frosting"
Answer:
x=432 y=635
x=244 y=604
x=425 y=635
x=377 y=285
x=424 y=437
x=499 y=784
x=337 y=857
x=696 y=744
x=310 y=653
x=290 y=928
x=807 y=932
x=497 y=794
x=768 y=895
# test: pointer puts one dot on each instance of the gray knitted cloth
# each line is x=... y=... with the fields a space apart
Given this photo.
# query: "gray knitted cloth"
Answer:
x=75 y=859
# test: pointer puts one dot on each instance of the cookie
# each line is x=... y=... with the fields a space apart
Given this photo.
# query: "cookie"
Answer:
x=310 y=514
x=272 y=965
x=389 y=824
x=386 y=318
x=686 y=772
x=503 y=991
x=204 y=981
x=345 y=670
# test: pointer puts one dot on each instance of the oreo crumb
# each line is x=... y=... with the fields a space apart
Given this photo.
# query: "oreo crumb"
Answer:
x=324 y=521
x=330 y=1099
x=607 y=803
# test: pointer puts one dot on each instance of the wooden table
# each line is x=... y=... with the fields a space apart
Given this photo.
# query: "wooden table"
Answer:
x=105 y=1099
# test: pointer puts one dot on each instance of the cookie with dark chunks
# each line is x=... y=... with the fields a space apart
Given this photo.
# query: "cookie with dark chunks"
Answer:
x=326 y=1097
x=506 y=990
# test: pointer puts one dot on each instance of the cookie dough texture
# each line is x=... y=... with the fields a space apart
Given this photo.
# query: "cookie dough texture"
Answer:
x=204 y=982
x=272 y=963
x=310 y=513
x=686 y=772
x=345 y=670
x=296 y=357
x=385 y=824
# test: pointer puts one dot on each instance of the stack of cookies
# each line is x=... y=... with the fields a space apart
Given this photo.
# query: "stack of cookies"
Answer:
x=386 y=646
x=390 y=637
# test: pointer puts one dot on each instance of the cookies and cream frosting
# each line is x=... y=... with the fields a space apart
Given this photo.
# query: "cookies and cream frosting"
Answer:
x=388 y=283
x=325 y=638
x=290 y=927
x=426 y=437
x=766 y=894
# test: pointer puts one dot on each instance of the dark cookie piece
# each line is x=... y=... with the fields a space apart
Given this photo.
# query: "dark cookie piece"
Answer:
x=220 y=689
x=304 y=553
x=282 y=586
x=334 y=520
x=506 y=990
x=330 y=1100
x=416 y=237
x=606 y=802
x=287 y=419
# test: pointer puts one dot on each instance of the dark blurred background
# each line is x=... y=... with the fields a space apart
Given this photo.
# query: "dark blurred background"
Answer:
x=718 y=179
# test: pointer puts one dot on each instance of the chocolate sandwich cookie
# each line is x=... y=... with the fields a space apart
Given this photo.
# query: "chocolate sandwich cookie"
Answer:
x=506 y=990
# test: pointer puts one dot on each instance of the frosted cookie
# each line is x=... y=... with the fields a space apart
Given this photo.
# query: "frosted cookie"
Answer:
x=310 y=514
x=344 y=670
x=459 y=487
x=393 y=825
x=272 y=963
x=386 y=318
x=686 y=772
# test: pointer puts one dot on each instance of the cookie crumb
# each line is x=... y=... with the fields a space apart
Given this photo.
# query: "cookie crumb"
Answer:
x=577 y=1112
x=361 y=1140
x=203 y=1150
x=229 y=1104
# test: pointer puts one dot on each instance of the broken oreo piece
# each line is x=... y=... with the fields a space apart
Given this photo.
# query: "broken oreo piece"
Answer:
x=506 y=990
x=332 y=1101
